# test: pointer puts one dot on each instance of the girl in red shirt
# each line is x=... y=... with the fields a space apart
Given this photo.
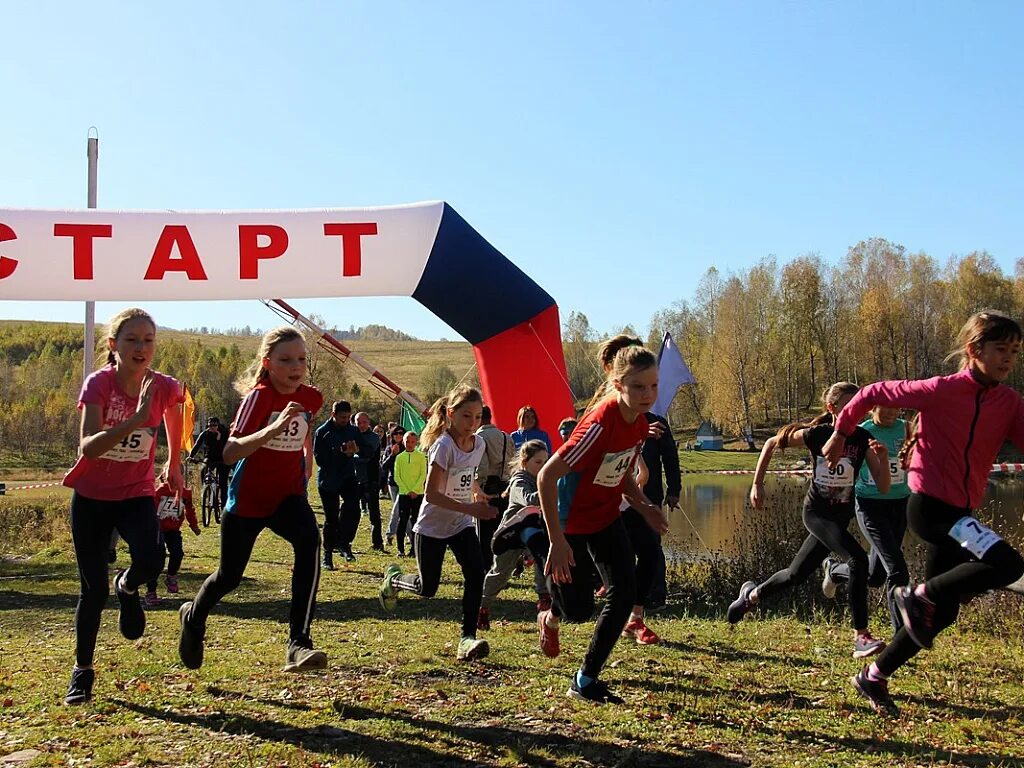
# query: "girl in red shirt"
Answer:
x=271 y=441
x=581 y=488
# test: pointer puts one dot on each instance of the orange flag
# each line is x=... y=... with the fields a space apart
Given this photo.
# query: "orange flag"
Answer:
x=188 y=420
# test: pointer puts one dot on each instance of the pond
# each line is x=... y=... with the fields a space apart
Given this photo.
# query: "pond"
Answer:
x=714 y=505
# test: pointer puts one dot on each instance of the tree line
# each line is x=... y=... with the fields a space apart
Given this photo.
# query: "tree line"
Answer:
x=764 y=342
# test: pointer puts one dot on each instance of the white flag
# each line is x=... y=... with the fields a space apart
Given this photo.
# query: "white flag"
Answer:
x=672 y=374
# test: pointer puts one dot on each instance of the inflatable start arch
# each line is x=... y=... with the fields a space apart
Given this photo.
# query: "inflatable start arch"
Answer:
x=426 y=251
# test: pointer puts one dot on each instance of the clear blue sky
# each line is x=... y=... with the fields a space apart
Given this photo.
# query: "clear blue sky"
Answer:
x=613 y=151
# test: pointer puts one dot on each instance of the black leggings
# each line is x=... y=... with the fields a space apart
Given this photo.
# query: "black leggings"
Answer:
x=647 y=548
x=92 y=523
x=953 y=573
x=429 y=557
x=170 y=542
x=883 y=523
x=408 y=511
x=829 y=532
x=294 y=522
x=611 y=552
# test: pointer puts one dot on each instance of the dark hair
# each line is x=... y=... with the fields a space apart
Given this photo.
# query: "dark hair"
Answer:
x=829 y=397
x=987 y=325
x=341 y=406
x=568 y=424
x=212 y=420
x=485 y=414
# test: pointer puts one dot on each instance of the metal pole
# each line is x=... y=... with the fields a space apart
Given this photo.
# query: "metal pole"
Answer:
x=93 y=153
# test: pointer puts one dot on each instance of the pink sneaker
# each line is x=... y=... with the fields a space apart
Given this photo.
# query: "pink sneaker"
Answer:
x=152 y=599
x=172 y=584
x=640 y=632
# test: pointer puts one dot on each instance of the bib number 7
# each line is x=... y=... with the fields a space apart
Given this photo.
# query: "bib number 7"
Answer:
x=973 y=536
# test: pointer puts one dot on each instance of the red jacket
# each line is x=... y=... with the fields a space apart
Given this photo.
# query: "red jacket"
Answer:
x=170 y=512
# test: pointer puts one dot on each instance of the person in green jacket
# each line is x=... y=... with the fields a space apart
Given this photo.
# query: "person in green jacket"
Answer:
x=410 y=476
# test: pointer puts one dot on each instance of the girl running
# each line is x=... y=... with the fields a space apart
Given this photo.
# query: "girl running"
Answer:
x=122 y=406
x=964 y=419
x=521 y=526
x=172 y=509
x=882 y=517
x=827 y=512
x=454 y=502
x=581 y=487
x=271 y=440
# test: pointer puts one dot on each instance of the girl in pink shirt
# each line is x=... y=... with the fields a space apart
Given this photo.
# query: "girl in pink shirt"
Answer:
x=964 y=421
x=122 y=406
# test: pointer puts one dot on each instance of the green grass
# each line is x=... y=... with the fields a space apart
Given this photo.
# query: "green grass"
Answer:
x=709 y=461
x=772 y=691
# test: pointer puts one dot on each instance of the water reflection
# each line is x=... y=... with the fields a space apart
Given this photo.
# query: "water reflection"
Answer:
x=713 y=505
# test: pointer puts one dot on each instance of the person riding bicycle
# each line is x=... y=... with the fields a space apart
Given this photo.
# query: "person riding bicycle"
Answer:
x=211 y=442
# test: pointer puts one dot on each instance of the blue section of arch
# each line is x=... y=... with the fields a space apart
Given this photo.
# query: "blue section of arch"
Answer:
x=470 y=285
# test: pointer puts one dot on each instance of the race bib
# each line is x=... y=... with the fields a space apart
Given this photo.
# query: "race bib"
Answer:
x=168 y=508
x=839 y=476
x=896 y=472
x=460 y=484
x=294 y=435
x=973 y=536
x=613 y=467
x=134 y=447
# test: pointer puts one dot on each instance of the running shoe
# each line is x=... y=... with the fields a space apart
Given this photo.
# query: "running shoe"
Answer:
x=639 y=631
x=876 y=692
x=190 y=642
x=549 y=644
x=387 y=594
x=302 y=656
x=327 y=563
x=152 y=600
x=471 y=649
x=596 y=693
x=346 y=552
x=172 y=584
x=865 y=645
x=506 y=536
x=543 y=602
x=80 y=688
x=483 y=619
x=132 y=619
x=739 y=607
x=828 y=586
x=918 y=615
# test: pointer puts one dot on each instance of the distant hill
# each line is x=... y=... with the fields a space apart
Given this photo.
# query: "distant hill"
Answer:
x=370 y=332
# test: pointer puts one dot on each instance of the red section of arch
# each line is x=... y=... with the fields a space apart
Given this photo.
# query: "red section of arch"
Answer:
x=524 y=365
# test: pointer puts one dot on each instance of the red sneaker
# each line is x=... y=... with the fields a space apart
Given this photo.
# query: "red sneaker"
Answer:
x=483 y=619
x=548 y=636
x=640 y=632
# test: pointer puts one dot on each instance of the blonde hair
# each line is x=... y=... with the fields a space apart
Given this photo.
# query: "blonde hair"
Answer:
x=438 y=421
x=831 y=396
x=255 y=373
x=621 y=356
x=117 y=323
x=986 y=325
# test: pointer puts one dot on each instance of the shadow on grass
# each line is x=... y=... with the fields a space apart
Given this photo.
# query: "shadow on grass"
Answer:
x=729 y=653
x=997 y=711
x=13 y=600
x=448 y=741
x=920 y=753
x=410 y=608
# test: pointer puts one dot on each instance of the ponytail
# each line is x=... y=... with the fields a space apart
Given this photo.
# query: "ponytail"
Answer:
x=438 y=422
x=831 y=396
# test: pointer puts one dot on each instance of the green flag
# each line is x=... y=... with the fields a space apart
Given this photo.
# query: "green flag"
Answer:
x=411 y=420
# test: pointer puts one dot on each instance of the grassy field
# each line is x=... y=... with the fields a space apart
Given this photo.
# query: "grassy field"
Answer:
x=771 y=691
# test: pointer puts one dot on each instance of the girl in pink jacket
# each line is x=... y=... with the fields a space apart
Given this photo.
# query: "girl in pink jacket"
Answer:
x=964 y=421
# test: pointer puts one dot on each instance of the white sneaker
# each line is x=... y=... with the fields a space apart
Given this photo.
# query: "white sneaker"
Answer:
x=828 y=587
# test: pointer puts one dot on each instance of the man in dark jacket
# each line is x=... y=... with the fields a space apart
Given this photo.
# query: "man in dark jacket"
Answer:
x=368 y=472
x=334 y=444
x=211 y=442
x=660 y=454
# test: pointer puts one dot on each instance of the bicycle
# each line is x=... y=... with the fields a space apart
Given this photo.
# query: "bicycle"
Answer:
x=211 y=500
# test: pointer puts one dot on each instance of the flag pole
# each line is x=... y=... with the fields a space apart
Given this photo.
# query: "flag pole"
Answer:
x=92 y=152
